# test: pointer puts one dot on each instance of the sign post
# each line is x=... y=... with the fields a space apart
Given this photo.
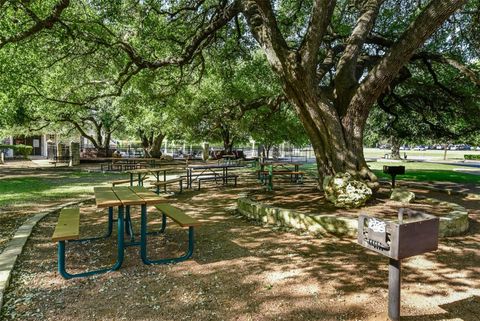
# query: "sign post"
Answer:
x=409 y=236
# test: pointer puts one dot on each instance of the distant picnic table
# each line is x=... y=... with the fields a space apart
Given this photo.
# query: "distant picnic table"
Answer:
x=211 y=172
x=156 y=172
x=270 y=169
x=131 y=163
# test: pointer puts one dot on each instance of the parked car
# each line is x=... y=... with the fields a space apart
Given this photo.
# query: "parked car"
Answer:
x=420 y=148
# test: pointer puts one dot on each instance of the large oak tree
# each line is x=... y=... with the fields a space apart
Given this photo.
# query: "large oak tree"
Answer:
x=334 y=59
x=334 y=84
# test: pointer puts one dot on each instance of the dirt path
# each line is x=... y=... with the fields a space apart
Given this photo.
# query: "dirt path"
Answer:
x=241 y=271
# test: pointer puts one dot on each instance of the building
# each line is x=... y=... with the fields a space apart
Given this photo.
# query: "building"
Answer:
x=40 y=143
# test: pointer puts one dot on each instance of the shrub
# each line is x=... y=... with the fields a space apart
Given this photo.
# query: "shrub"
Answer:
x=3 y=147
x=471 y=157
x=23 y=150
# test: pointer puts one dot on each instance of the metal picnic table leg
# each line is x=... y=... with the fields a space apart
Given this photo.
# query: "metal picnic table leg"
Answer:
x=143 y=243
x=262 y=167
x=107 y=235
x=116 y=266
x=128 y=224
x=164 y=179
x=270 y=178
x=131 y=179
x=140 y=181
x=162 y=229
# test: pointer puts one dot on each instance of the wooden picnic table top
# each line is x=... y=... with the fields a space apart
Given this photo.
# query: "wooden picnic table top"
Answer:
x=148 y=196
x=281 y=163
x=122 y=158
x=208 y=166
x=153 y=170
x=123 y=196
x=106 y=197
x=127 y=196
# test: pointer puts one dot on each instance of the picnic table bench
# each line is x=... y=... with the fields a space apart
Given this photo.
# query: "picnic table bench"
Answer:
x=126 y=181
x=183 y=220
x=279 y=168
x=68 y=225
x=164 y=183
x=60 y=159
x=156 y=172
x=216 y=177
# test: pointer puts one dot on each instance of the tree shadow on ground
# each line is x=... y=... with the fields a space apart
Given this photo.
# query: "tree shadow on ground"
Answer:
x=467 y=309
x=240 y=271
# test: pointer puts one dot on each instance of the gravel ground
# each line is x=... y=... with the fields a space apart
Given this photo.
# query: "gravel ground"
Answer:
x=240 y=271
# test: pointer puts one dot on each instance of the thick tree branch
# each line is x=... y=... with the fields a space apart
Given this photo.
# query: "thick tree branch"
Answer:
x=263 y=25
x=461 y=68
x=378 y=79
x=320 y=19
x=39 y=25
x=346 y=80
x=81 y=131
x=195 y=45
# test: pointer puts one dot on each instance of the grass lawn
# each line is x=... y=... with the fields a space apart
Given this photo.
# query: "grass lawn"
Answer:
x=427 y=172
x=42 y=186
x=432 y=154
x=418 y=171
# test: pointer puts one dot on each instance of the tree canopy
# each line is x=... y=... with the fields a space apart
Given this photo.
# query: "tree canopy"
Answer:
x=331 y=61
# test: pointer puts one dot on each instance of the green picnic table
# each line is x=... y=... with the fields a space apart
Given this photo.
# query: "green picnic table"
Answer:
x=122 y=198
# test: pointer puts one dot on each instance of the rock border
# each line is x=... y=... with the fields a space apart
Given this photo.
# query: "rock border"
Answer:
x=15 y=246
x=453 y=224
x=315 y=224
x=448 y=191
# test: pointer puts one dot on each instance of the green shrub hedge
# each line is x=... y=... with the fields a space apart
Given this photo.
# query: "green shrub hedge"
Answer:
x=23 y=150
x=471 y=157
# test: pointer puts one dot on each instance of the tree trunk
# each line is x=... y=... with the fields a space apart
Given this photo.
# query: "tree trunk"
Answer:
x=395 y=147
x=106 y=144
x=227 y=141
x=151 y=143
x=228 y=147
x=156 y=150
x=266 y=151
x=338 y=144
x=445 y=148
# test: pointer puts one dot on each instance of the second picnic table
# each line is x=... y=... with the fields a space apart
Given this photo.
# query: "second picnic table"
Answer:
x=279 y=168
x=210 y=172
x=142 y=173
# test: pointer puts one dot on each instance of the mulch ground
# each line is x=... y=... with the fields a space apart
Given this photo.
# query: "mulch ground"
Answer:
x=241 y=271
x=306 y=199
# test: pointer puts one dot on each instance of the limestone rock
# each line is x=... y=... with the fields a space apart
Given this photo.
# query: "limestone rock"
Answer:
x=403 y=195
x=345 y=192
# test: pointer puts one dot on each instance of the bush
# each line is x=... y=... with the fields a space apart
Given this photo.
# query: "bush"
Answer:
x=3 y=147
x=471 y=157
x=23 y=150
